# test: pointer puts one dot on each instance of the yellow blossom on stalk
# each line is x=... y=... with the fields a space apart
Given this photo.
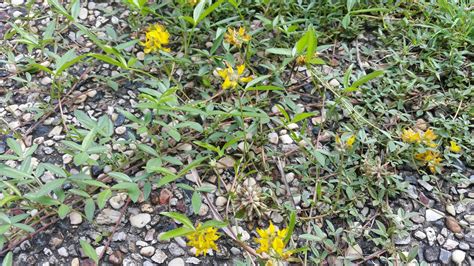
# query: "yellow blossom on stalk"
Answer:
x=193 y=2
x=410 y=136
x=271 y=241
x=350 y=141
x=428 y=137
x=203 y=239
x=237 y=37
x=301 y=60
x=454 y=147
x=232 y=77
x=156 y=39
x=431 y=159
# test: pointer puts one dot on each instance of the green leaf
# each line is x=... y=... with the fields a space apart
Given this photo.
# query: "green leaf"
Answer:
x=301 y=116
x=182 y=231
x=8 y=260
x=24 y=227
x=280 y=51
x=214 y=223
x=291 y=227
x=367 y=78
x=208 y=10
x=148 y=149
x=120 y=176
x=102 y=198
x=15 y=146
x=54 y=169
x=264 y=88
x=75 y=8
x=48 y=187
x=198 y=11
x=183 y=219
x=89 y=251
x=89 y=209
x=89 y=139
x=347 y=76
x=80 y=158
x=132 y=189
x=13 y=173
x=196 y=202
x=63 y=211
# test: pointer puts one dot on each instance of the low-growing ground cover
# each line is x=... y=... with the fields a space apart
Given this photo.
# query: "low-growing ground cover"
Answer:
x=236 y=132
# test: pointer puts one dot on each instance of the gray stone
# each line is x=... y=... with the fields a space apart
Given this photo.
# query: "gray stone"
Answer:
x=273 y=138
x=286 y=139
x=431 y=254
x=147 y=251
x=63 y=252
x=159 y=256
x=193 y=260
x=354 y=252
x=140 y=220
x=431 y=235
x=241 y=233
x=176 y=262
x=425 y=184
x=118 y=200
x=450 y=209
x=107 y=216
x=75 y=218
x=459 y=256
x=17 y=2
x=83 y=12
x=445 y=256
x=176 y=250
x=450 y=244
x=433 y=215
x=402 y=240
x=420 y=235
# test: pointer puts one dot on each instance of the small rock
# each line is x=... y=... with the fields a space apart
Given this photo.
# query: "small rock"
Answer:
x=45 y=81
x=431 y=254
x=203 y=210
x=141 y=56
x=225 y=162
x=147 y=251
x=445 y=256
x=107 y=216
x=120 y=130
x=140 y=220
x=459 y=256
x=176 y=262
x=450 y=244
x=431 y=235
x=450 y=209
x=292 y=126
x=402 y=240
x=176 y=250
x=241 y=233
x=334 y=83
x=83 y=12
x=165 y=196
x=75 y=218
x=75 y=262
x=433 y=215
x=63 y=252
x=464 y=246
x=118 y=200
x=425 y=184
x=286 y=139
x=290 y=177
x=221 y=201
x=184 y=147
x=276 y=217
x=420 y=235
x=469 y=218
x=17 y=2
x=119 y=236
x=193 y=260
x=273 y=138
x=453 y=225
x=56 y=131
x=354 y=252
x=159 y=256
x=91 y=93
x=116 y=258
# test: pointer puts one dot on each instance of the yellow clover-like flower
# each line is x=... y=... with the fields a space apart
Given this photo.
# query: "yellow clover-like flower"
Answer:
x=231 y=77
x=432 y=159
x=237 y=37
x=271 y=241
x=348 y=143
x=428 y=138
x=203 y=239
x=410 y=136
x=157 y=38
x=454 y=147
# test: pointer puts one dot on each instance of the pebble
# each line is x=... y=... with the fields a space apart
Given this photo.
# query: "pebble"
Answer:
x=290 y=177
x=46 y=81
x=17 y=2
x=119 y=236
x=107 y=216
x=425 y=184
x=56 y=131
x=120 y=130
x=450 y=209
x=221 y=201
x=176 y=262
x=277 y=217
x=63 y=252
x=402 y=240
x=118 y=200
x=273 y=138
x=75 y=262
x=159 y=256
x=176 y=250
x=420 y=235
x=241 y=233
x=184 y=147
x=445 y=256
x=91 y=94
x=431 y=235
x=203 y=210
x=450 y=244
x=75 y=218
x=286 y=139
x=141 y=56
x=140 y=220
x=225 y=162
x=458 y=256
x=193 y=260
x=431 y=254
x=334 y=83
x=433 y=215
x=354 y=252
x=17 y=14
x=147 y=251
x=83 y=12
x=453 y=225
x=469 y=218
x=464 y=246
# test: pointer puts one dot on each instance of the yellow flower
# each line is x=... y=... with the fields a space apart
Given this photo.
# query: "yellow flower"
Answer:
x=455 y=147
x=428 y=137
x=203 y=239
x=237 y=37
x=156 y=39
x=271 y=240
x=410 y=136
x=301 y=60
x=193 y=2
x=350 y=141
x=231 y=77
x=431 y=159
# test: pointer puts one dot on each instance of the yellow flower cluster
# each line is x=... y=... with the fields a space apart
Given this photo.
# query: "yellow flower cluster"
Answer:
x=231 y=77
x=454 y=147
x=432 y=159
x=203 y=239
x=156 y=39
x=271 y=241
x=427 y=137
x=349 y=142
x=237 y=37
